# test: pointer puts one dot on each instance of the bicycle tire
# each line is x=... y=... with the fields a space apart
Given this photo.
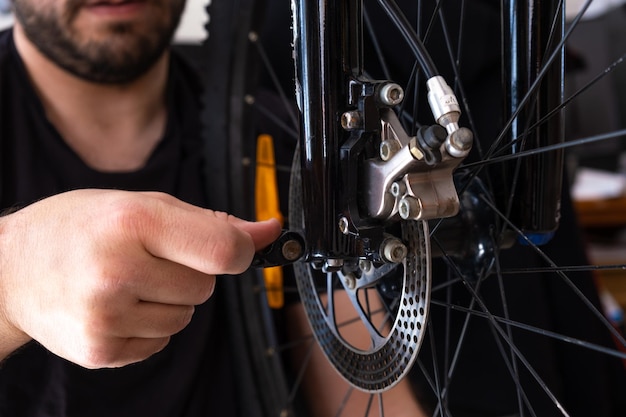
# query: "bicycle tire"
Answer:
x=261 y=380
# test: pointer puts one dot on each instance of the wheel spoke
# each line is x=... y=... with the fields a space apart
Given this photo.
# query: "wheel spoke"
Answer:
x=492 y=319
x=271 y=71
x=562 y=275
x=534 y=329
x=344 y=401
x=550 y=148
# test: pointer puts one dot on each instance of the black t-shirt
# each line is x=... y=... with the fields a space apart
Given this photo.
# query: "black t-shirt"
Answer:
x=191 y=376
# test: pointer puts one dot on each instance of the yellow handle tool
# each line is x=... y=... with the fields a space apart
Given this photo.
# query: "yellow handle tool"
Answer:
x=267 y=207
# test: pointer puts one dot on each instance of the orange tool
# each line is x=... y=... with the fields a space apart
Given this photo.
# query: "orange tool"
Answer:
x=267 y=207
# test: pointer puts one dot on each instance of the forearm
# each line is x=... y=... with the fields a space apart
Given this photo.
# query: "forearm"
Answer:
x=11 y=338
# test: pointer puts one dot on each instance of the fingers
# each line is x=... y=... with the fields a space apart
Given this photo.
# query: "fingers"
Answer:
x=165 y=282
x=116 y=353
x=145 y=320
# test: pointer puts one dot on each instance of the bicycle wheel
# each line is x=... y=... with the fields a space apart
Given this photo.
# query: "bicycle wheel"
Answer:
x=511 y=330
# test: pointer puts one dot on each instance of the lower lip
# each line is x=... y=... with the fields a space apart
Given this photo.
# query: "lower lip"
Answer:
x=117 y=10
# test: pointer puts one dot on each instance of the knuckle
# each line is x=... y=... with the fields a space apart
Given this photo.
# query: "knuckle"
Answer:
x=99 y=322
x=118 y=352
x=96 y=355
x=128 y=213
x=229 y=255
x=183 y=319
x=206 y=289
x=158 y=345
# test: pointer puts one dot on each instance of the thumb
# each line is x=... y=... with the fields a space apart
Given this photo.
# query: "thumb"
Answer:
x=262 y=233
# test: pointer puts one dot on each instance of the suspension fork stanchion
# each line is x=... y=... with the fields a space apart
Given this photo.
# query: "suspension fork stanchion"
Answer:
x=327 y=52
x=529 y=37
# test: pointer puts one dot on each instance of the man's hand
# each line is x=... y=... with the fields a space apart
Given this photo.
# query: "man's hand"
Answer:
x=104 y=278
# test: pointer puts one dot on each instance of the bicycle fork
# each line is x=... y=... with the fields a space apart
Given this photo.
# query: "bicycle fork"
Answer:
x=360 y=169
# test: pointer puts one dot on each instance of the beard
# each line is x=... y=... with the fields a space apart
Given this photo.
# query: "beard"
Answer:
x=122 y=51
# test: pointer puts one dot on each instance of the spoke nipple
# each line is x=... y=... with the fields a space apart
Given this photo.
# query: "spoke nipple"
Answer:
x=249 y=99
x=253 y=36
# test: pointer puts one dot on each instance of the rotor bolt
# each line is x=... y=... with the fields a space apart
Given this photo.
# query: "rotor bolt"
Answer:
x=292 y=250
x=410 y=208
x=350 y=281
x=391 y=94
x=365 y=265
x=393 y=250
x=344 y=226
x=332 y=265
x=351 y=120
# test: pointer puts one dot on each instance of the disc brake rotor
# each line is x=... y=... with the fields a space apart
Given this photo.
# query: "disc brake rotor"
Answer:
x=389 y=357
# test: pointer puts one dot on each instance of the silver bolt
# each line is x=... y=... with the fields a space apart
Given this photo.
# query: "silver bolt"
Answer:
x=410 y=208
x=350 y=281
x=393 y=250
x=388 y=148
x=459 y=142
x=344 y=226
x=397 y=189
x=351 y=120
x=365 y=265
x=391 y=94
x=292 y=250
